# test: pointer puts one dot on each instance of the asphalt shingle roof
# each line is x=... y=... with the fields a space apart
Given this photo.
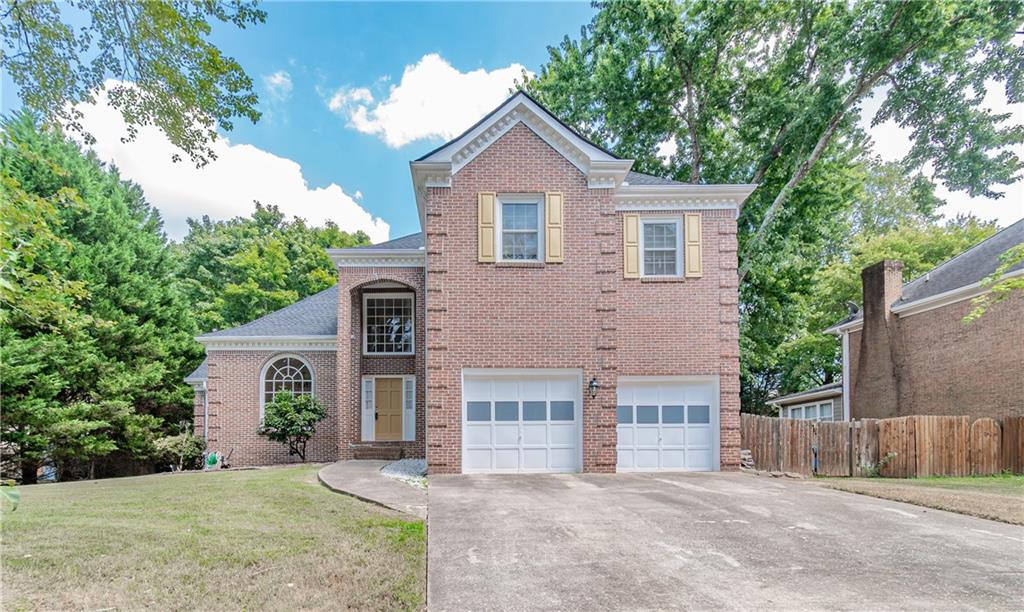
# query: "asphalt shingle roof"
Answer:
x=639 y=178
x=412 y=241
x=836 y=386
x=199 y=373
x=317 y=315
x=967 y=268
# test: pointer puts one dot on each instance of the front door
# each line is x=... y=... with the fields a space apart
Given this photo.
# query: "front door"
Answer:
x=388 y=402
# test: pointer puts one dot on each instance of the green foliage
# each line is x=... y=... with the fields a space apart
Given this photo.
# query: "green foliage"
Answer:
x=96 y=333
x=167 y=72
x=183 y=450
x=239 y=270
x=11 y=494
x=292 y=420
x=1000 y=288
x=772 y=93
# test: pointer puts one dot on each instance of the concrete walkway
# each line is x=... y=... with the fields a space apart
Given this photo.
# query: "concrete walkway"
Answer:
x=362 y=479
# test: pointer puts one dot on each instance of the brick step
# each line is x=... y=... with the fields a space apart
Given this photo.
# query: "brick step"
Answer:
x=382 y=453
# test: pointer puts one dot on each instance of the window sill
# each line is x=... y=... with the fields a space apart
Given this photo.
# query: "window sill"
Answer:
x=662 y=279
x=389 y=355
x=519 y=264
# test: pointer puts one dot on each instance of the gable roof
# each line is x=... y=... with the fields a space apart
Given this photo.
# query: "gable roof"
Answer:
x=316 y=315
x=198 y=375
x=958 y=274
x=639 y=178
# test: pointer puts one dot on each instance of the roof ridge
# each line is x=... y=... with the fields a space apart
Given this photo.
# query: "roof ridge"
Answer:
x=925 y=275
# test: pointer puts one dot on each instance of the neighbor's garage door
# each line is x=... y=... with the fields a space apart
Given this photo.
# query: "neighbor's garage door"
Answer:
x=671 y=426
x=517 y=423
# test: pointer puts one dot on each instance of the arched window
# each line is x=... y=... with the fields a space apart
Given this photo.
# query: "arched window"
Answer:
x=287 y=374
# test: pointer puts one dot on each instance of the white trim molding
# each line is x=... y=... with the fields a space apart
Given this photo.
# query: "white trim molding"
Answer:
x=268 y=343
x=846 y=376
x=378 y=258
x=681 y=197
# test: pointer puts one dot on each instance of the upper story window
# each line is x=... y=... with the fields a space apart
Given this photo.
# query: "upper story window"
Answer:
x=660 y=244
x=388 y=323
x=288 y=374
x=521 y=228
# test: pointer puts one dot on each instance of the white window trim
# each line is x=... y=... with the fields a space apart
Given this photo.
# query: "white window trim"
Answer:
x=786 y=412
x=275 y=359
x=678 y=221
x=499 y=226
x=368 y=429
x=395 y=294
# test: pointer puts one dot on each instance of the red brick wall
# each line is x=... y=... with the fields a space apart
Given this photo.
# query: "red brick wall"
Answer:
x=352 y=365
x=579 y=314
x=952 y=368
x=234 y=404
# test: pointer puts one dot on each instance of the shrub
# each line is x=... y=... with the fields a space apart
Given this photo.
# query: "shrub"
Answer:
x=183 y=451
x=292 y=419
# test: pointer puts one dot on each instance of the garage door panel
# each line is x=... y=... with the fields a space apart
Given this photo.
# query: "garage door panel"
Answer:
x=673 y=436
x=625 y=459
x=478 y=434
x=506 y=458
x=477 y=459
x=625 y=436
x=476 y=390
x=698 y=437
x=535 y=458
x=506 y=434
x=671 y=458
x=646 y=436
x=562 y=434
x=647 y=458
x=562 y=459
x=698 y=459
x=647 y=395
x=535 y=434
x=562 y=389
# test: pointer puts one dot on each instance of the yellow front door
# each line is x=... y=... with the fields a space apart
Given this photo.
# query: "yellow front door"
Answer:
x=388 y=401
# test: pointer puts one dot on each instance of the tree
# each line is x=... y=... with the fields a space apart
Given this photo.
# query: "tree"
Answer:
x=164 y=70
x=292 y=420
x=999 y=288
x=93 y=314
x=244 y=268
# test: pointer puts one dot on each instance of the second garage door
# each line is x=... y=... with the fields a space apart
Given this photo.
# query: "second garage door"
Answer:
x=667 y=425
x=521 y=422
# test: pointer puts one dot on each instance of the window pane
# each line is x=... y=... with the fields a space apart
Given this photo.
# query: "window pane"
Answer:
x=389 y=324
x=698 y=415
x=562 y=411
x=519 y=245
x=519 y=216
x=671 y=414
x=810 y=413
x=659 y=263
x=646 y=414
x=506 y=411
x=826 y=412
x=624 y=415
x=535 y=411
x=478 y=411
x=798 y=413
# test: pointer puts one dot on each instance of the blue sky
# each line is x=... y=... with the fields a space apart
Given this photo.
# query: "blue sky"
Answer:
x=351 y=92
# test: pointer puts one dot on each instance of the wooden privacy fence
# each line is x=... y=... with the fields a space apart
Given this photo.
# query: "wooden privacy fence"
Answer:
x=903 y=447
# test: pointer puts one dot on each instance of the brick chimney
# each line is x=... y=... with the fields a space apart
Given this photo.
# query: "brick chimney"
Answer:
x=876 y=391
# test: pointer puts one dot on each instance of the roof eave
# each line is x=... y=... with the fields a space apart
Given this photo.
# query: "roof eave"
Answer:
x=813 y=395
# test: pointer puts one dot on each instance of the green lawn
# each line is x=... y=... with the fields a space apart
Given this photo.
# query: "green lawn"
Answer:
x=254 y=539
x=1003 y=483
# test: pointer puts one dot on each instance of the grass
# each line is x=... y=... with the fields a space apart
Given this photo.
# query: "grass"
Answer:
x=254 y=539
x=999 y=498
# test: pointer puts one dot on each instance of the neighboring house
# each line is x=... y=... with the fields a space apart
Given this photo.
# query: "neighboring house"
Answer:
x=559 y=313
x=824 y=403
x=909 y=351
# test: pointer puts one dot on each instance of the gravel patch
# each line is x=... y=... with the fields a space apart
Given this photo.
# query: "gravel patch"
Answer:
x=409 y=471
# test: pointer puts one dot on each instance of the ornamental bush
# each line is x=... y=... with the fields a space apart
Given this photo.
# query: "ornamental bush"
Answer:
x=292 y=419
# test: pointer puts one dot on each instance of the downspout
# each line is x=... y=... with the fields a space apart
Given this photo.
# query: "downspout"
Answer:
x=846 y=375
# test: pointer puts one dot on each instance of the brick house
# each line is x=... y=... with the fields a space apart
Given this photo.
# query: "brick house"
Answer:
x=909 y=352
x=559 y=313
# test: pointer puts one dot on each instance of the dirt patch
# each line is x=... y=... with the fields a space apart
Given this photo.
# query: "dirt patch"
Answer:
x=998 y=505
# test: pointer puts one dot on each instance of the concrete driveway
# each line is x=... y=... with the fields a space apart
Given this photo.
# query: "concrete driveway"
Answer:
x=727 y=540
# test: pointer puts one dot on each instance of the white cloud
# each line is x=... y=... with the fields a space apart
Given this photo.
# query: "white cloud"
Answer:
x=278 y=85
x=893 y=142
x=226 y=187
x=433 y=100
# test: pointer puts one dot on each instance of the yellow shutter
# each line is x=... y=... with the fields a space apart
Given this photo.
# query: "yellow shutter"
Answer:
x=554 y=248
x=631 y=246
x=485 y=226
x=692 y=247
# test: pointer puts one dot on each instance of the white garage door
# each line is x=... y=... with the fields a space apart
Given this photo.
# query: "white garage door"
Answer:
x=521 y=423
x=667 y=426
